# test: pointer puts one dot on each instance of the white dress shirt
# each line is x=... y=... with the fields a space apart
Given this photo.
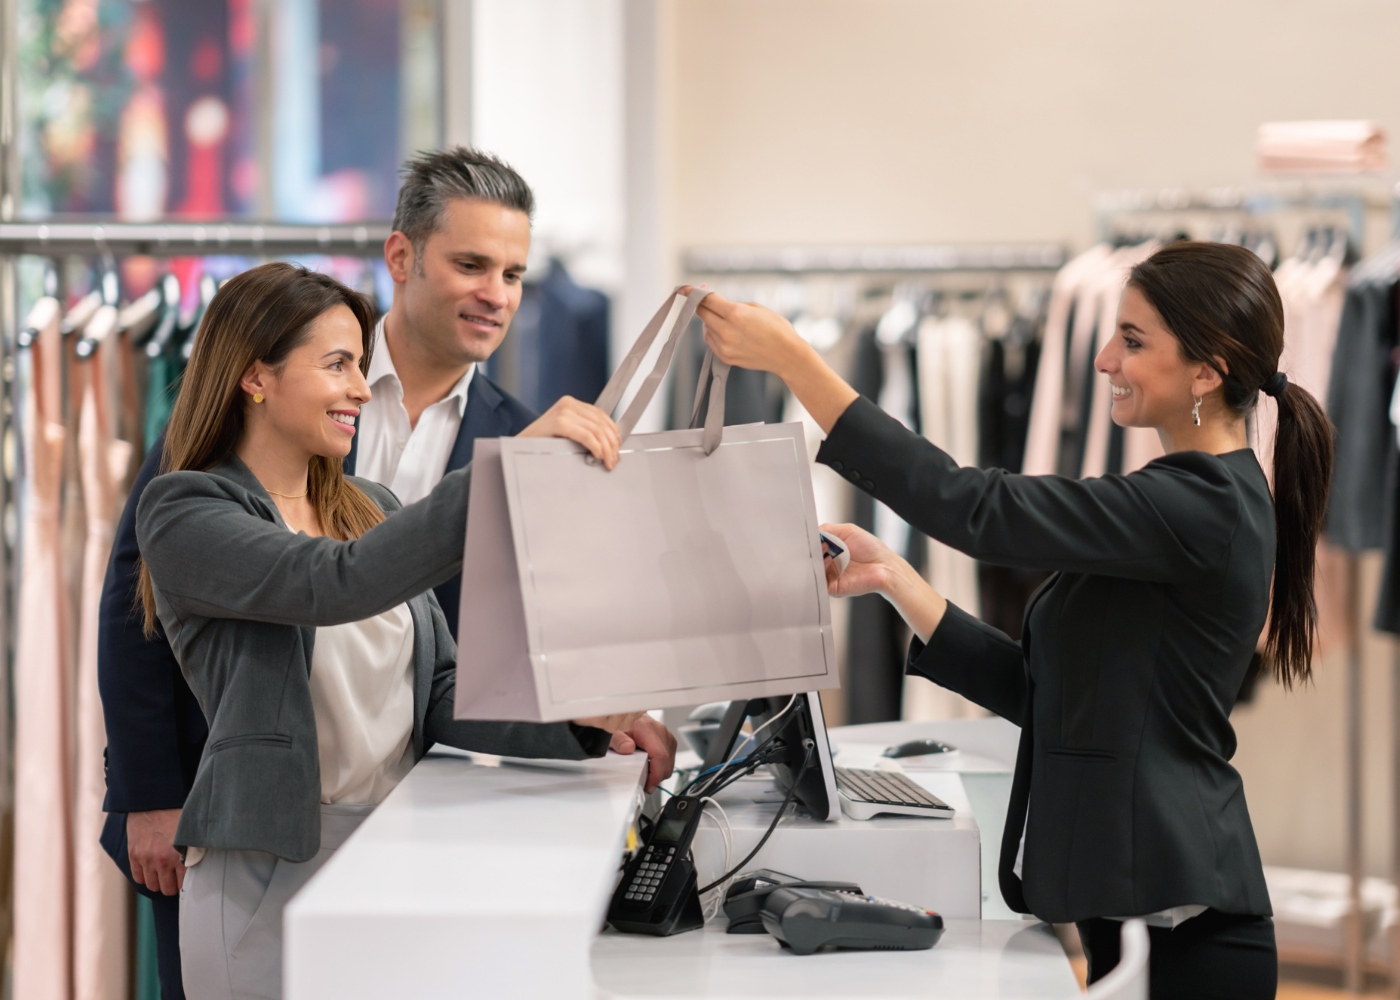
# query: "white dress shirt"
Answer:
x=408 y=460
x=362 y=694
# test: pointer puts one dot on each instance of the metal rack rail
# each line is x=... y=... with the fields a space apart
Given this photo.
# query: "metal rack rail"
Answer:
x=875 y=259
x=172 y=239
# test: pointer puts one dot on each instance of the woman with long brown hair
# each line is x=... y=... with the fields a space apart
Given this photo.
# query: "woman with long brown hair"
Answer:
x=1124 y=803
x=298 y=603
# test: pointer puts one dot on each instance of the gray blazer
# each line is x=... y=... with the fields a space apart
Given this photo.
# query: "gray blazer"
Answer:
x=240 y=598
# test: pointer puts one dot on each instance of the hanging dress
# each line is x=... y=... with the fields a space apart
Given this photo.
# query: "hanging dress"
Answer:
x=43 y=838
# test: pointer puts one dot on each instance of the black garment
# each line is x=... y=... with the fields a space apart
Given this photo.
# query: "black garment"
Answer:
x=155 y=729
x=1213 y=956
x=165 y=914
x=1134 y=652
x=1387 y=616
x=875 y=633
x=1004 y=391
x=1358 y=402
x=559 y=341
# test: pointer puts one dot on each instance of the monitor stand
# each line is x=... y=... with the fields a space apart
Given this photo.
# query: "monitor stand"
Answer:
x=817 y=789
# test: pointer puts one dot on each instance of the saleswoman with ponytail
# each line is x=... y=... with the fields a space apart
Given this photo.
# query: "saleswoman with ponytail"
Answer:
x=1124 y=803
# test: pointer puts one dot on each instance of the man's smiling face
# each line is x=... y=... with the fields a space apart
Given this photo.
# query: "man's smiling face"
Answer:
x=464 y=288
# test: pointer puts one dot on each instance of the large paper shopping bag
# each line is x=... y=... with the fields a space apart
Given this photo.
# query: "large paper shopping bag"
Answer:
x=690 y=573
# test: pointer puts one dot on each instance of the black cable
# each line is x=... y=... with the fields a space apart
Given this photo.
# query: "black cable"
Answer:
x=734 y=769
x=792 y=790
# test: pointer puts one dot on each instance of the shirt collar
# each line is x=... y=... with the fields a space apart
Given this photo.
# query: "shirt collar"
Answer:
x=381 y=368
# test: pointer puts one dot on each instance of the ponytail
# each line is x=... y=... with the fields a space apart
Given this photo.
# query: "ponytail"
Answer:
x=1223 y=307
x=1302 y=475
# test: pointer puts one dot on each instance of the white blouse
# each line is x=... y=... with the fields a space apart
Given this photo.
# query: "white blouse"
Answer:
x=362 y=694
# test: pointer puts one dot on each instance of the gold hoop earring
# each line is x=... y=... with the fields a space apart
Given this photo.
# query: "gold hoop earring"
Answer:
x=258 y=398
x=1196 y=411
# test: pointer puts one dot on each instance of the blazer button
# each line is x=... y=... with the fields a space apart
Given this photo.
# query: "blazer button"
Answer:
x=837 y=466
x=868 y=485
x=853 y=476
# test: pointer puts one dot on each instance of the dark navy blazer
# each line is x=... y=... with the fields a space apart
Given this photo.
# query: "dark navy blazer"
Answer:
x=155 y=729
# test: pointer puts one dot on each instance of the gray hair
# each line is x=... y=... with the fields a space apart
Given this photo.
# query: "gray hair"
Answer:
x=430 y=179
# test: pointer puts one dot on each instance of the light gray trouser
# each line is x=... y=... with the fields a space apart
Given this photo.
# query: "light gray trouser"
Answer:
x=231 y=913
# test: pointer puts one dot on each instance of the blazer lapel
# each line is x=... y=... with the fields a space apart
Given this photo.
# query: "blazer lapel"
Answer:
x=483 y=419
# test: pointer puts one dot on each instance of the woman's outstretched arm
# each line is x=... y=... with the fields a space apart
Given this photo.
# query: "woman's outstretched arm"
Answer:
x=1166 y=522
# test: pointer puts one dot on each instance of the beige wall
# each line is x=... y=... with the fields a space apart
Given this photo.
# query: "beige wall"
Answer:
x=896 y=121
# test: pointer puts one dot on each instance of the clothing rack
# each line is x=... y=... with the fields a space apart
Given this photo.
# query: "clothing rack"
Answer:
x=875 y=259
x=1338 y=194
x=173 y=239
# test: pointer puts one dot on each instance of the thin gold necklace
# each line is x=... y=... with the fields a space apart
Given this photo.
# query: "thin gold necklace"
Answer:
x=288 y=496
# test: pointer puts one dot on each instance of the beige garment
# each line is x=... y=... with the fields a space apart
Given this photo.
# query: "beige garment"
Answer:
x=1110 y=295
x=949 y=358
x=362 y=694
x=101 y=895
x=1043 y=433
x=1313 y=293
x=43 y=838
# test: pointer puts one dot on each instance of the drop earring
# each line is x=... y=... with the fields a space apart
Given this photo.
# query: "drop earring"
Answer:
x=1196 y=411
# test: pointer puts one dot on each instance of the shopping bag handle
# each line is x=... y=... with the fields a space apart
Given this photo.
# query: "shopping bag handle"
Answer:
x=715 y=374
x=617 y=385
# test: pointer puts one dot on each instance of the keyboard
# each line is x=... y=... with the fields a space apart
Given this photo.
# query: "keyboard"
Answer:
x=866 y=793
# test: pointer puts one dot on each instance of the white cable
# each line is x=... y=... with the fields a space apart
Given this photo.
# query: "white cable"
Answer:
x=711 y=908
x=753 y=736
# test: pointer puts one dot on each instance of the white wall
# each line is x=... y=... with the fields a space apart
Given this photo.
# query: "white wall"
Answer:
x=547 y=95
x=899 y=121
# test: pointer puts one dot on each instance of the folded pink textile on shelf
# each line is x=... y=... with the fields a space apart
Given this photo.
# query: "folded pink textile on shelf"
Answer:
x=1336 y=146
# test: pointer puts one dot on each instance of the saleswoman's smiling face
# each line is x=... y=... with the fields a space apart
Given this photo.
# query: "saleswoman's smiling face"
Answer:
x=1152 y=383
x=312 y=399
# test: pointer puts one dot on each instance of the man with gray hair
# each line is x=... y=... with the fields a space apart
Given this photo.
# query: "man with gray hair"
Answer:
x=457 y=256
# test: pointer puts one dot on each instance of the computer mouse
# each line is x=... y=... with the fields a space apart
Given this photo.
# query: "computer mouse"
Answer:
x=810 y=920
x=743 y=902
x=919 y=748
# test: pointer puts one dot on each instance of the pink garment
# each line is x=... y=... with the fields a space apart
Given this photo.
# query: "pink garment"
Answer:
x=43 y=840
x=1043 y=434
x=101 y=895
x=1110 y=294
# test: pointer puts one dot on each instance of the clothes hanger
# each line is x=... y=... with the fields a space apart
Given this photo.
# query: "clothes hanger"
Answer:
x=164 y=330
x=43 y=312
x=97 y=329
x=82 y=311
x=207 y=288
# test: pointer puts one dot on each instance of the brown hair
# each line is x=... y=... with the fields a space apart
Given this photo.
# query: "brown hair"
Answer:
x=263 y=314
x=1221 y=304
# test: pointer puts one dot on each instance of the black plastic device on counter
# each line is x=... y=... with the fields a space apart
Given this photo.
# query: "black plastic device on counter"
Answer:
x=743 y=903
x=657 y=894
x=809 y=920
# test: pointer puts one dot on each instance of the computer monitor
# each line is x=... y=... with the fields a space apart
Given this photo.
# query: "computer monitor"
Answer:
x=801 y=720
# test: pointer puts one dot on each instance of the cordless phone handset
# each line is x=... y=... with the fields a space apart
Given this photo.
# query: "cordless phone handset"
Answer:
x=657 y=894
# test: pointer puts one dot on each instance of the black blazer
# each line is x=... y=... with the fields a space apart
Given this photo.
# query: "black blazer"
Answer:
x=1132 y=657
x=155 y=730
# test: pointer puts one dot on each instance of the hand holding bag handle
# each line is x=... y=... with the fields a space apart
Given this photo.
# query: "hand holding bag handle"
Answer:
x=612 y=392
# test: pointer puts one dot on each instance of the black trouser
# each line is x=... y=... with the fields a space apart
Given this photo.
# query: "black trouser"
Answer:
x=166 y=911
x=1225 y=955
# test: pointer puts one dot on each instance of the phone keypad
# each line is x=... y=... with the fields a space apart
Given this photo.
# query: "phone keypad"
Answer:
x=647 y=876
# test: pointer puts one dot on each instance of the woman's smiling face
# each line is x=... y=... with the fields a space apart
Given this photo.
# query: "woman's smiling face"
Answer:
x=313 y=398
x=1150 y=380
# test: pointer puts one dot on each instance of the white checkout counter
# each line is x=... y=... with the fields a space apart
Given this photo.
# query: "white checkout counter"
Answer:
x=480 y=881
